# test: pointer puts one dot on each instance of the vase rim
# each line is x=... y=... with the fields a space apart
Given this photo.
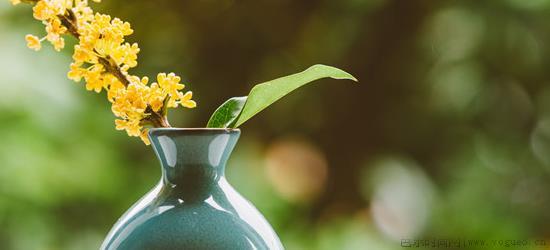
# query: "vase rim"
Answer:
x=161 y=131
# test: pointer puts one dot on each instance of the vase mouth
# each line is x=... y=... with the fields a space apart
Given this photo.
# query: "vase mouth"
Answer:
x=189 y=131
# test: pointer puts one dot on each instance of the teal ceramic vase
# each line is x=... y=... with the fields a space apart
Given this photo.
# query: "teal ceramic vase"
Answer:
x=193 y=206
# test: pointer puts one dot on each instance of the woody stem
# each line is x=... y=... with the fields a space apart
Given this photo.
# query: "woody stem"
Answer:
x=158 y=120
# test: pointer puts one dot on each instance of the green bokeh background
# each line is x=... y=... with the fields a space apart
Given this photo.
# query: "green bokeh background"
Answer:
x=447 y=135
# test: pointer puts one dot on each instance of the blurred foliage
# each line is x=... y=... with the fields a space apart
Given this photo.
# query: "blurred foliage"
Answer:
x=446 y=136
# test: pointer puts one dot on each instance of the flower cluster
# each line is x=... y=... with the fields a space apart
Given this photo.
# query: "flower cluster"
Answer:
x=102 y=58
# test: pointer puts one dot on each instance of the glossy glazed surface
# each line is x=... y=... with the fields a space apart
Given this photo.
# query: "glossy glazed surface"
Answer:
x=193 y=206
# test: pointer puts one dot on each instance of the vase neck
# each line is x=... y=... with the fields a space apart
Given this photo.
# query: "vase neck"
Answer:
x=193 y=157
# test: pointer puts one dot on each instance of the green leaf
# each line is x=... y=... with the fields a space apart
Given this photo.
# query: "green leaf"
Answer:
x=238 y=110
x=226 y=115
x=265 y=94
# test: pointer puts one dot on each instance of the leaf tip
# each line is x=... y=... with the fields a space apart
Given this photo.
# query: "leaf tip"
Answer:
x=343 y=75
x=337 y=73
x=351 y=77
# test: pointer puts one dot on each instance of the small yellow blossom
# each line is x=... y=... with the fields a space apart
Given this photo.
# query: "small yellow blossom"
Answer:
x=131 y=126
x=76 y=73
x=94 y=78
x=145 y=136
x=57 y=41
x=113 y=90
x=33 y=42
x=82 y=12
x=170 y=83
x=15 y=2
x=186 y=101
x=156 y=97
x=49 y=9
x=55 y=29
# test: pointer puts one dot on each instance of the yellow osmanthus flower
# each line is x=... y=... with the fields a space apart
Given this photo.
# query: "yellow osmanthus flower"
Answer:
x=102 y=58
x=46 y=10
x=33 y=42
x=55 y=30
x=144 y=136
x=170 y=83
x=185 y=100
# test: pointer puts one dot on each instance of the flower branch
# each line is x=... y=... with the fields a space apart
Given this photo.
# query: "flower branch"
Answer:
x=102 y=58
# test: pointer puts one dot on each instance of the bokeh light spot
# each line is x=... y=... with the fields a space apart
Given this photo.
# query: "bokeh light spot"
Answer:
x=296 y=168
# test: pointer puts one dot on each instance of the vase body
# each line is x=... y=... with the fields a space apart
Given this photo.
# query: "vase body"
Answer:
x=193 y=206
